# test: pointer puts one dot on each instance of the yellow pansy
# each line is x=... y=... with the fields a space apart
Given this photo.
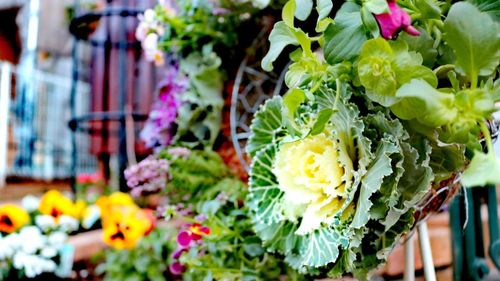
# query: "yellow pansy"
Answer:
x=312 y=179
x=55 y=204
x=12 y=218
x=124 y=226
x=80 y=207
x=115 y=199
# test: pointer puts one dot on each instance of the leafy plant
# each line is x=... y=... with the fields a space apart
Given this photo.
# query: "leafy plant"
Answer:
x=370 y=123
x=146 y=261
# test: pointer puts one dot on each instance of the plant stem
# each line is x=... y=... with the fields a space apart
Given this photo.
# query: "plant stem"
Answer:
x=337 y=95
x=487 y=136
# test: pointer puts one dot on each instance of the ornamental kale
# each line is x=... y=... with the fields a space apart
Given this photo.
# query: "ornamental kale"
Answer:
x=370 y=125
x=312 y=194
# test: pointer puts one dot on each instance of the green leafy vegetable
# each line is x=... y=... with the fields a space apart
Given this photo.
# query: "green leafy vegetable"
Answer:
x=475 y=39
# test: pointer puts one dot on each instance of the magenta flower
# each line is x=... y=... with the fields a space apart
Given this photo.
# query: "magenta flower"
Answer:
x=394 y=21
x=177 y=268
x=195 y=232
x=177 y=254
x=159 y=128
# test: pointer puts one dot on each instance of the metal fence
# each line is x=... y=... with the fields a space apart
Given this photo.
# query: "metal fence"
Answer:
x=35 y=140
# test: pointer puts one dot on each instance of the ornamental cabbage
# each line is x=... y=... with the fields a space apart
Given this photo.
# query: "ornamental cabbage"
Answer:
x=335 y=199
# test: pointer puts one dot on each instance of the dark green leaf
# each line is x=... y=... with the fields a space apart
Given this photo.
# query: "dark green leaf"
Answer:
x=345 y=36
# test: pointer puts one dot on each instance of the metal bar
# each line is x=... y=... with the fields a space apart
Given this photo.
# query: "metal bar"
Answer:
x=426 y=251
x=456 y=213
x=409 y=248
x=5 y=91
x=494 y=247
x=122 y=90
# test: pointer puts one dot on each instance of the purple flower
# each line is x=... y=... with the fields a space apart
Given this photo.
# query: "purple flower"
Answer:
x=158 y=129
x=178 y=253
x=148 y=176
x=394 y=21
x=177 y=268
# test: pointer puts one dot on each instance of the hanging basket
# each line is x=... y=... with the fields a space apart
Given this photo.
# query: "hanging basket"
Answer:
x=441 y=194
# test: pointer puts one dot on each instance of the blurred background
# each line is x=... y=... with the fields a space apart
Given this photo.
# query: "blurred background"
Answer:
x=69 y=82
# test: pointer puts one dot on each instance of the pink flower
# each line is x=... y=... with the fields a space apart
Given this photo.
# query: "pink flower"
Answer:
x=394 y=21
x=89 y=178
x=194 y=233
x=159 y=129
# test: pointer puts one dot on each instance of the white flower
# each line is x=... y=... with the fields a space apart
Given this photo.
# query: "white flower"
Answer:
x=32 y=239
x=57 y=239
x=33 y=265
x=150 y=43
x=6 y=248
x=49 y=252
x=149 y=16
x=45 y=222
x=155 y=56
x=30 y=203
x=141 y=31
x=68 y=224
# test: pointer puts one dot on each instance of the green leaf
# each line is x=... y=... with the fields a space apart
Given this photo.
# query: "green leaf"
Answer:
x=372 y=181
x=370 y=22
x=423 y=44
x=413 y=184
x=318 y=249
x=476 y=104
x=428 y=9
x=292 y=100
x=491 y=7
x=265 y=196
x=483 y=170
x=201 y=112
x=323 y=117
x=305 y=8
x=475 y=40
x=421 y=101
x=376 y=73
x=266 y=126
x=323 y=7
x=345 y=36
x=376 y=6
x=281 y=36
x=288 y=13
x=252 y=246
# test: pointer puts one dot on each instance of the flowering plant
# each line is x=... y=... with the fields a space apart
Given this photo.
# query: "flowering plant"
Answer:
x=146 y=261
x=216 y=239
x=33 y=237
x=369 y=124
x=196 y=41
x=187 y=111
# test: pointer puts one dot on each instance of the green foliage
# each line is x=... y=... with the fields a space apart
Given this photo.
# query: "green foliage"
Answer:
x=146 y=262
x=193 y=175
x=345 y=36
x=384 y=67
x=475 y=39
x=200 y=114
x=421 y=101
x=232 y=251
